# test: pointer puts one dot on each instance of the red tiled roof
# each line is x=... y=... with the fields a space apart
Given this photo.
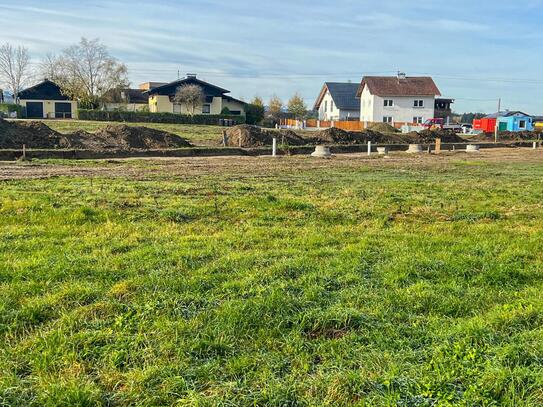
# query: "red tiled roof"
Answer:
x=395 y=86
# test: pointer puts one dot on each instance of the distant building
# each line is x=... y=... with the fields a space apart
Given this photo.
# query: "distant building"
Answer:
x=443 y=108
x=46 y=101
x=513 y=121
x=133 y=100
x=338 y=101
x=216 y=99
x=394 y=99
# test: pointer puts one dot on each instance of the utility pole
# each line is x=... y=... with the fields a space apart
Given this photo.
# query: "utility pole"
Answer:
x=497 y=129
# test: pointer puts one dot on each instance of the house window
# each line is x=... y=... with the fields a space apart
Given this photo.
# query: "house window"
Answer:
x=331 y=106
x=325 y=105
x=418 y=120
x=388 y=119
x=206 y=109
x=522 y=124
x=419 y=103
x=388 y=102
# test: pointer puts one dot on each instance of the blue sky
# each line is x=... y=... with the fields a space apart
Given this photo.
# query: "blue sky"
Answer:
x=476 y=51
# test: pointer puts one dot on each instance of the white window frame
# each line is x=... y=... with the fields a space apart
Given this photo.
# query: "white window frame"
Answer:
x=418 y=119
x=388 y=119
x=325 y=106
x=388 y=102
x=418 y=103
x=525 y=124
x=331 y=106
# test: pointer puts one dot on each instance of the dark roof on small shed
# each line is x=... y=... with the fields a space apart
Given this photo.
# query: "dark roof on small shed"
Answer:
x=507 y=113
x=46 y=90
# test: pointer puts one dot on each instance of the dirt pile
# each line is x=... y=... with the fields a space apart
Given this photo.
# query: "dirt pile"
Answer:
x=429 y=136
x=32 y=134
x=112 y=137
x=122 y=137
x=334 y=135
x=519 y=135
x=383 y=128
x=247 y=136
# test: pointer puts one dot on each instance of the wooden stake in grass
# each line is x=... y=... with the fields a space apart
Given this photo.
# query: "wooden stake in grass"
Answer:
x=24 y=152
x=224 y=138
x=438 y=145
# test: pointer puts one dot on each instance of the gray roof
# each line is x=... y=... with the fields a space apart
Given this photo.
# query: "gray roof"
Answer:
x=344 y=95
x=507 y=113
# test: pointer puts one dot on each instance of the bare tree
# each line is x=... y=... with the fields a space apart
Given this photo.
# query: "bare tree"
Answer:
x=190 y=95
x=14 y=67
x=86 y=71
x=50 y=67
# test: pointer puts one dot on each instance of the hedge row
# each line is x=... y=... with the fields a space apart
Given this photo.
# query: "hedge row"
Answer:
x=7 y=108
x=147 y=117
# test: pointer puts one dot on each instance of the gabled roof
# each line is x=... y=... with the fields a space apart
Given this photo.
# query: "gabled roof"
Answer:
x=170 y=88
x=397 y=86
x=231 y=99
x=46 y=90
x=137 y=96
x=343 y=95
x=507 y=113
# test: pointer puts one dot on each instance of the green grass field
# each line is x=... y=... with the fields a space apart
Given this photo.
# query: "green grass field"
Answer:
x=204 y=135
x=244 y=284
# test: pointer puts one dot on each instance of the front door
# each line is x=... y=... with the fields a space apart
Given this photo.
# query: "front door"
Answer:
x=63 y=110
x=34 y=110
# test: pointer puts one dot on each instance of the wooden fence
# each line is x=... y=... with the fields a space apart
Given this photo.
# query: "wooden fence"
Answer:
x=350 y=125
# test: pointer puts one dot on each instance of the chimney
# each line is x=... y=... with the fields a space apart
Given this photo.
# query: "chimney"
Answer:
x=191 y=75
x=401 y=75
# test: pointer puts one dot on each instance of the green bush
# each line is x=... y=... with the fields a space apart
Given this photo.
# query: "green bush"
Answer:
x=147 y=117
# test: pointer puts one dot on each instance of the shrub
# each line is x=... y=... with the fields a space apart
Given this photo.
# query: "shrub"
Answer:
x=7 y=108
x=147 y=117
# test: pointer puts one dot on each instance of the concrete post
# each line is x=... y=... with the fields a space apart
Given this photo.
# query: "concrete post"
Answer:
x=535 y=145
x=274 y=147
x=369 y=147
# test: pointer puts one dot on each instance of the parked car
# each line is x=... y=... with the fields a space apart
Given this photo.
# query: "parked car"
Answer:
x=439 y=123
x=467 y=128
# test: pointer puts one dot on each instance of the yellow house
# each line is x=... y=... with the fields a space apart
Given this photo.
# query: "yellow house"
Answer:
x=46 y=101
x=162 y=99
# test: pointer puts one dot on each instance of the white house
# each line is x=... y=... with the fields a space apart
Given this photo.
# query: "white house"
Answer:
x=394 y=99
x=338 y=101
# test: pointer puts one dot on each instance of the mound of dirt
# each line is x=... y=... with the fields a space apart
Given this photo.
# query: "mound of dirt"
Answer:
x=383 y=128
x=112 y=137
x=429 y=136
x=334 y=135
x=519 y=135
x=247 y=136
x=31 y=134
x=123 y=137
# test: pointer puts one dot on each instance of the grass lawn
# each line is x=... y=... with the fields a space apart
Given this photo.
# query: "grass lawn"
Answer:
x=238 y=283
x=198 y=134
